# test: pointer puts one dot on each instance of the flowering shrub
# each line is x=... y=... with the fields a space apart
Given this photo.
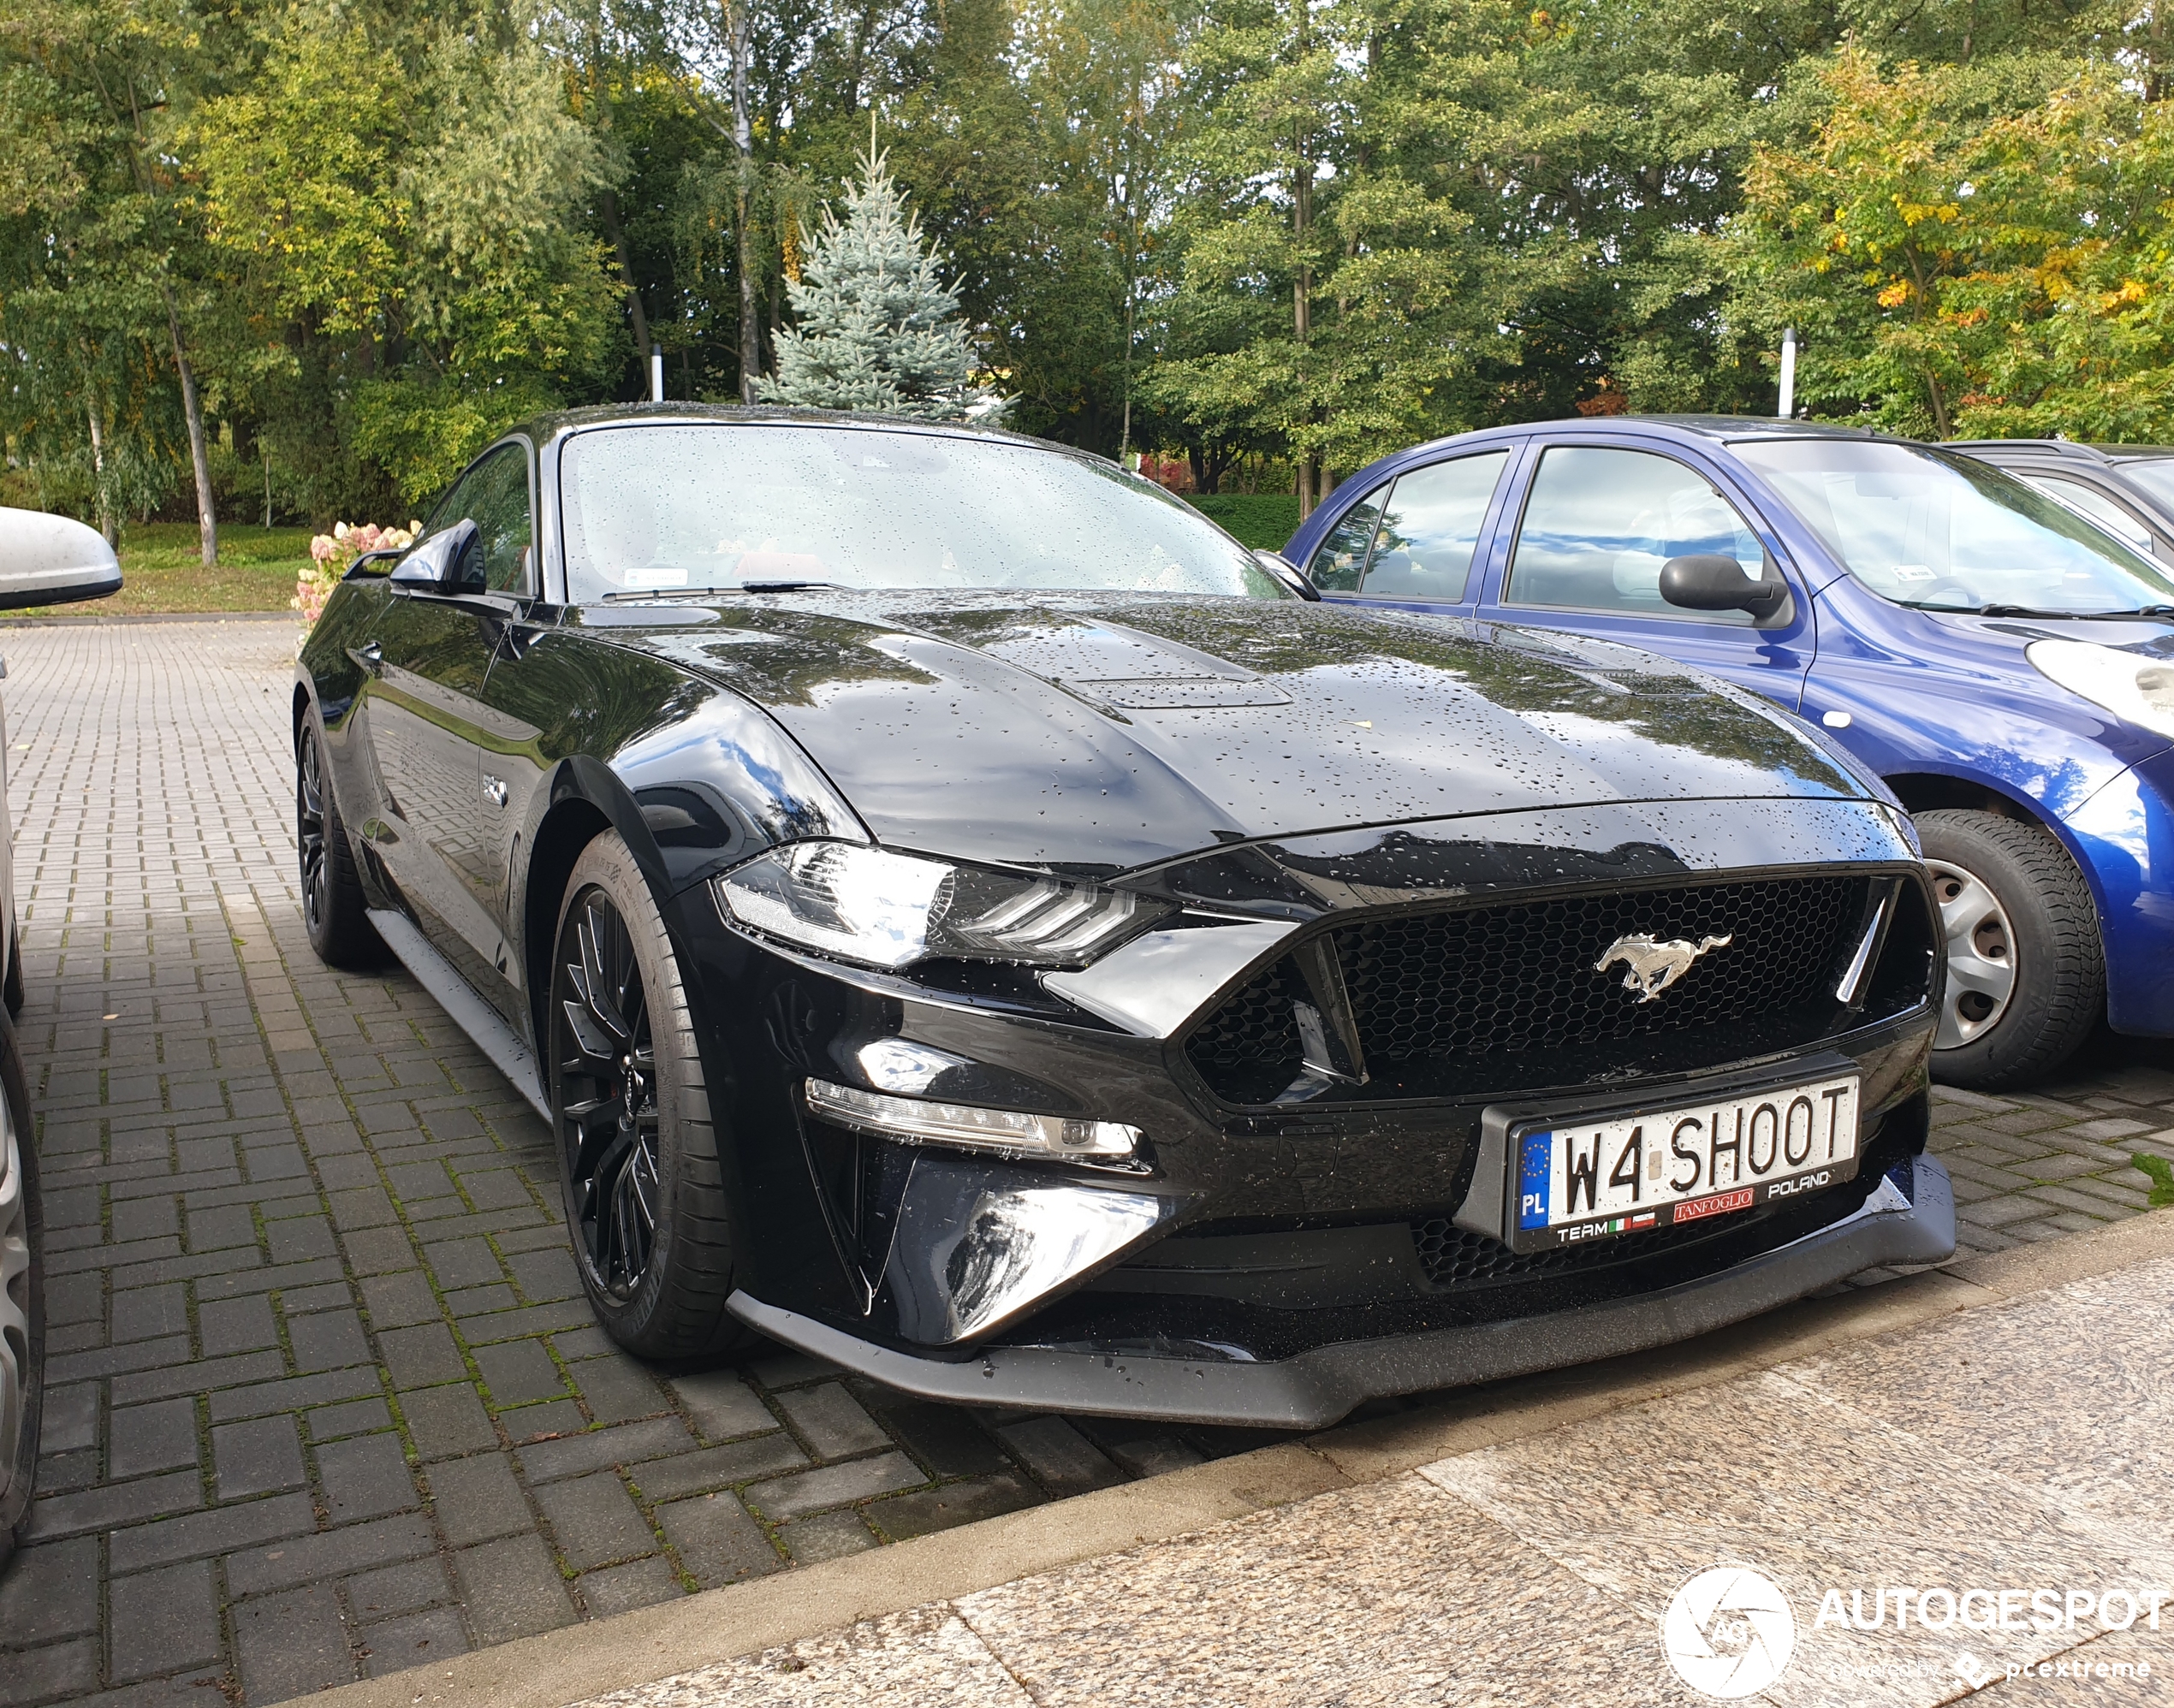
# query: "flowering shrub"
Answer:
x=1174 y=473
x=331 y=554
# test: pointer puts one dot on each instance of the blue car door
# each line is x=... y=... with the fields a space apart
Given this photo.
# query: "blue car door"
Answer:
x=1410 y=541
x=1590 y=527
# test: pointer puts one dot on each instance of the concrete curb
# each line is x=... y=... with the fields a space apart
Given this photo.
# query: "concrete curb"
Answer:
x=580 y=1661
x=88 y=621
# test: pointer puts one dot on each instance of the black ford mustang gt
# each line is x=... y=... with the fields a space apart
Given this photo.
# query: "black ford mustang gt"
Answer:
x=964 y=916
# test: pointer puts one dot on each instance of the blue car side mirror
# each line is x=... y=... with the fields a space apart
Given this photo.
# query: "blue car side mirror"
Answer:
x=447 y=562
x=1707 y=581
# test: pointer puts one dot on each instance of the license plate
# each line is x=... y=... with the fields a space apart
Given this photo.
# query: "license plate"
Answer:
x=1626 y=1174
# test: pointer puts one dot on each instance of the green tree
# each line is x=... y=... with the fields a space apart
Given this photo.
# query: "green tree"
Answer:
x=411 y=242
x=1969 y=253
x=878 y=328
x=100 y=257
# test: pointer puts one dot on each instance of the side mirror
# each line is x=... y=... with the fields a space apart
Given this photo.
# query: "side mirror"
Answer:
x=1287 y=573
x=450 y=562
x=1706 y=581
x=52 y=560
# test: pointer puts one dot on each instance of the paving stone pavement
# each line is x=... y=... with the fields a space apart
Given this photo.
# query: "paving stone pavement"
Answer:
x=324 y=1399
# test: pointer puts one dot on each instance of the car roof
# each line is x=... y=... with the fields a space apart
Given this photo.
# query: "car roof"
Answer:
x=563 y=421
x=2067 y=450
x=1742 y=426
x=1712 y=429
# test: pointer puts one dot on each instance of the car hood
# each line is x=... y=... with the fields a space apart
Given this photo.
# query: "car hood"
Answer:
x=1100 y=733
x=1965 y=684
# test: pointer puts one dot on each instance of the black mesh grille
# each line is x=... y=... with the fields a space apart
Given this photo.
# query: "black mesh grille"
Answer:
x=1523 y=978
x=1256 y=1025
x=1437 y=996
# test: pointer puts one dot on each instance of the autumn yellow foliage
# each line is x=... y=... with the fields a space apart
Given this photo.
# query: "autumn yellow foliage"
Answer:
x=1963 y=266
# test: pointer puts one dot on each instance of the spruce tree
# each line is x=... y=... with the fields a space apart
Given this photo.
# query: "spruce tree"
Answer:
x=879 y=328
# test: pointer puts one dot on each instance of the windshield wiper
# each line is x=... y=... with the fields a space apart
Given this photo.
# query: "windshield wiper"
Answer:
x=1996 y=610
x=2153 y=611
x=631 y=594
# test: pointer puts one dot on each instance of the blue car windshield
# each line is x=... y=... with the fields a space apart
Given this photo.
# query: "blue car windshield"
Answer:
x=656 y=511
x=1953 y=535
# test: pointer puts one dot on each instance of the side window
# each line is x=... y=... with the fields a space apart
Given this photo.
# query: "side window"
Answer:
x=1430 y=528
x=2096 y=508
x=501 y=512
x=1338 y=560
x=1599 y=523
x=493 y=496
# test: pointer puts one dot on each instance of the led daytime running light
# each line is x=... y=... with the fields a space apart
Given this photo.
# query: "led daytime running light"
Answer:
x=922 y=1122
x=886 y=909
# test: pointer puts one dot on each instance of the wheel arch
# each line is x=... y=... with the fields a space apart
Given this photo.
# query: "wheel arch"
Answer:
x=585 y=798
x=1930 y=791
x=570 y=826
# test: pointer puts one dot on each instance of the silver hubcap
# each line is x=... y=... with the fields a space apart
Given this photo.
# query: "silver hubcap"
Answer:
x=1981 y=955
x=14 y=1294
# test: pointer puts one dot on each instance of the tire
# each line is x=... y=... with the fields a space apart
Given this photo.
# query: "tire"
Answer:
x=2027 y=972
x=11 y=990
x=334 y=908
x=646 y=1198
x=22 y=1298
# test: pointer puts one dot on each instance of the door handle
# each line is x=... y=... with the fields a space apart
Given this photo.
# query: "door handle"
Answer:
x=494 y=792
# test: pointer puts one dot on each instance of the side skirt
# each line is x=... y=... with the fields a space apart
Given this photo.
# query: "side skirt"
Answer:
x=482 y=1023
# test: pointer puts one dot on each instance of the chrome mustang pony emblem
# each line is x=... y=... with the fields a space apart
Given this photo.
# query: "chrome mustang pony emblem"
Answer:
x=1655 y=966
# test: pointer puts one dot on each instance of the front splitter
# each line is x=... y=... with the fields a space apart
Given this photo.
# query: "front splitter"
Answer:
x=1315 y=1389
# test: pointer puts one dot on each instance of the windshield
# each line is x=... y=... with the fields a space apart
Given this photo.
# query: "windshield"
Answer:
x=655 y=511
x=2154 y=474
x=1953 y=535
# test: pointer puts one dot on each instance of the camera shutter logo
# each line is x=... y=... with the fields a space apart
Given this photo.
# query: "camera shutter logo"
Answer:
x=1729 y=1632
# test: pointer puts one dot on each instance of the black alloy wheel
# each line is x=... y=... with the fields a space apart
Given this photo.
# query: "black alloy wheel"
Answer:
x=608 y=1113
x=309 y=832
x=647 y=1190
x=335 y=911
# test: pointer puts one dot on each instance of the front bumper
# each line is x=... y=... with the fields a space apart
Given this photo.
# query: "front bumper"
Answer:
x=2124 y=838
x=1909 y=1219
x=1278 y=1261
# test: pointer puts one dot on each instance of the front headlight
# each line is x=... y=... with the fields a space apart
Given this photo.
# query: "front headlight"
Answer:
x=884 y=909
x=2132 y=685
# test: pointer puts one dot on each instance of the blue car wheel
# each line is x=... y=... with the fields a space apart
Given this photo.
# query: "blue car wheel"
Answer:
x=2026 y=975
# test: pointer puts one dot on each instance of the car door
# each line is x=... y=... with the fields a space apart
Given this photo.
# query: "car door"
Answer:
x=1595 y=523
x=427 y=718
x=1410 y=541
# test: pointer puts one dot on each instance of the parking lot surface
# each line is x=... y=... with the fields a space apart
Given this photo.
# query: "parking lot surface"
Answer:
x=324 y=1400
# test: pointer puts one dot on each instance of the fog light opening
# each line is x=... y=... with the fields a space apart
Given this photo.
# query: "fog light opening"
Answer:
x=922 y=1121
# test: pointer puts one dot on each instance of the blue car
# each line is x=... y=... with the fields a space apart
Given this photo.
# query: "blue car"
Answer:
x=2006 y=667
